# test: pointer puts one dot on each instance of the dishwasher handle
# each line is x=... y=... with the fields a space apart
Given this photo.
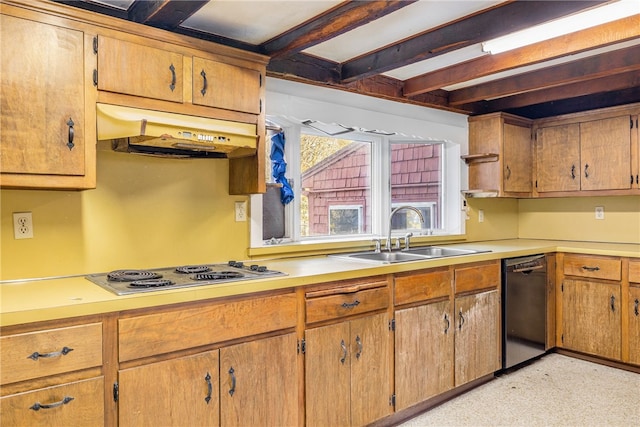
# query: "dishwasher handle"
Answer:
x=528 y=269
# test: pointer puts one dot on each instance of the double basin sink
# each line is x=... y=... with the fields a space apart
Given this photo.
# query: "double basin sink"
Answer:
x=413 y=254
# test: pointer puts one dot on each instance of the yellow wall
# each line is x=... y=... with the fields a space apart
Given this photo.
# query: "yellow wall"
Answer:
x=146 y=212
x=574 y=219
x=500 y=219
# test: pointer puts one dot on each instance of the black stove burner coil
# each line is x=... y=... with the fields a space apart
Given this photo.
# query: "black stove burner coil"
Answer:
x=190 y=269
x=132 y=275
x=220 y=275
x=151 y=283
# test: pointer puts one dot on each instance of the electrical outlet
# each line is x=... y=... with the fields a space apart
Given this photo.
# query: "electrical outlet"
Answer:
x=22 y=225
x=480 y=215
x=599 y=212
x=241 y=211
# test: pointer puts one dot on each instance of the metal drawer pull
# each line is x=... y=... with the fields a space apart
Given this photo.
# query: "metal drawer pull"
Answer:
x=636 y=305
x=207 y=378
x=573 y=171
x=461 y=320
x=584 y=267
x=70 y=144
x=172 y=86
x=36 y=355
x=508 y=172
x=446 y=319
x=204 y=82
x=350 y=304
x=233 y=381
x=586 y=170
x=359 y=343
x=344 y=352
x=37 y=406
x=613 y=303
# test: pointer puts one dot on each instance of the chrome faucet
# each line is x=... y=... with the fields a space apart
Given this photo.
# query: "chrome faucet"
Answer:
x=387 y=246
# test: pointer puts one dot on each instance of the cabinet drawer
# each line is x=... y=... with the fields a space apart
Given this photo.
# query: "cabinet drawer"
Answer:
x=634 y=271
x=477 y=277
x=422 y=286
x=187 y=327
x=592 y=266
x=356 y=298
x=54 y=351
x=79 y=403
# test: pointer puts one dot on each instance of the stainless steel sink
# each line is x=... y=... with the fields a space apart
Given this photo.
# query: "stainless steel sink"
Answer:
x=414 y=254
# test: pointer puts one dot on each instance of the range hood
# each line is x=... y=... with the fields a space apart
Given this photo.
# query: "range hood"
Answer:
x=167 y=134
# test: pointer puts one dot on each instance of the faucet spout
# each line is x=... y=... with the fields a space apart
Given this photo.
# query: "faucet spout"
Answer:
x=387 y=246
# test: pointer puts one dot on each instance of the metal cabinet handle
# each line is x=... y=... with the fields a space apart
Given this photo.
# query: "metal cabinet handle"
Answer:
x=36 y=355
x=613 y=304
x=636 y=307
x=204 y=82
x=350 y=304
x=586 y=170
x=596 y=268
x=72 y=132
x=359 y=344
x=573 y=171
x=446 y=319
x=37 y=406
x=172 y=86
x=207 y=378
x=233 y=381
x=344 y=352
x=508 y=172
x=461 y=320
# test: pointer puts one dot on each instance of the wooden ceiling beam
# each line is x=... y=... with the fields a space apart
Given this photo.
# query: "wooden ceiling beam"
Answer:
x=512 y=16
x=601 y=35
x=165 y=14
x=609 y=63
x=338 y=20
x=615 y=82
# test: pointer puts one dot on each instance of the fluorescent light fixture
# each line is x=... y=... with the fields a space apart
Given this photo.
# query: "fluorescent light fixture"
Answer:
x=570 y=24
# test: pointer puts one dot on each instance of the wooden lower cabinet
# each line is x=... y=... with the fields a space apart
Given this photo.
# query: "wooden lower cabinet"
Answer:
x=347 y=372
x=423 y=353
x=591 y=317
x=79 y=403
x=634 y=324
x=477 y=329
x=252 y=383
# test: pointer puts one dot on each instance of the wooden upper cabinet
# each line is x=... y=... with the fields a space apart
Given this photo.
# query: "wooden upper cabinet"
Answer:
x=605 y=152
x=139 y=70
x=220 y=85
x=558 y=158
x=44 y=128
x=500 y=155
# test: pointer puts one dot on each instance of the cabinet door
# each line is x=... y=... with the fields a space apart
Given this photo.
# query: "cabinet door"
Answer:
x=370 y=369
x=134 y=69
x=227 y=86
x=176 y=392
x=605 y=152
x=517 y=158
x=591 y=320
x=328 y=375
x=42 y=99
x=634 y=324
x=80 y=403
x=477 y=334
x=558 y=158
x=259 y=383
x=423 y=353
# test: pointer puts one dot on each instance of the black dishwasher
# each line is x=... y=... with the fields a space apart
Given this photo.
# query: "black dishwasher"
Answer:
x=523 y=309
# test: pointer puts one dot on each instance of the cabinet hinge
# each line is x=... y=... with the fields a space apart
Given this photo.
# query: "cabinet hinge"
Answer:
x=630 y=123
x=116 y=392
x=261 y=106
x=392 y=325
x=95 y=77
x=562 y=338
x=392 y=400
x=95 y=45
x=260 y=79
x=302 y=346
x=536 y=183
x=562 y=287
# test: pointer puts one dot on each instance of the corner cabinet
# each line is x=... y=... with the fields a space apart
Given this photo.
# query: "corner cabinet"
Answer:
x=47 y=122
x=500 y=155
x=634 y=311
x=347 y=353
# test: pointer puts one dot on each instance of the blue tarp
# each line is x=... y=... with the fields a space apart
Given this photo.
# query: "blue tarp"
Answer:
x=279 y=167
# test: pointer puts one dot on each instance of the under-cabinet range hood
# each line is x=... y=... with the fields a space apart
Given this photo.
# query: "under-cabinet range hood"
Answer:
x=136 y=130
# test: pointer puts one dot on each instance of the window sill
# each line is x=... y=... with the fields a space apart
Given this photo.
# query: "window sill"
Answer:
x=295 y=249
